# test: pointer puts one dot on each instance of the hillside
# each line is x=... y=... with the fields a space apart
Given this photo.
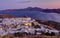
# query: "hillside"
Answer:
x=53 y=24
x=49 y=24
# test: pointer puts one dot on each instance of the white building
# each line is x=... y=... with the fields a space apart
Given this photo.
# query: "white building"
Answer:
x=9 y=21
x=12 y=24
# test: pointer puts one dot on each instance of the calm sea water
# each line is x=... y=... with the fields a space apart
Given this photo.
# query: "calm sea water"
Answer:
x=35 y=15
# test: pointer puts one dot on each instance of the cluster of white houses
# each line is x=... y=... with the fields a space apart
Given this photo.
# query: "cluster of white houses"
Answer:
x=24 y=24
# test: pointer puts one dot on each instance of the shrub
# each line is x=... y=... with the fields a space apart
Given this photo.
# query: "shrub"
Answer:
x=18 y=34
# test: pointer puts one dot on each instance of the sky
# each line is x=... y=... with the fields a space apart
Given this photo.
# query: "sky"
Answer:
x=18 y=4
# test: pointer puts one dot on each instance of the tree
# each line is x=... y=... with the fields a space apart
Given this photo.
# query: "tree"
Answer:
x=52 y=34
x=48 y=34
x=35 y=26
x=18 y=34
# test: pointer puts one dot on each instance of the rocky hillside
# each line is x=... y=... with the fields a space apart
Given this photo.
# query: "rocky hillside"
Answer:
x=53 y=24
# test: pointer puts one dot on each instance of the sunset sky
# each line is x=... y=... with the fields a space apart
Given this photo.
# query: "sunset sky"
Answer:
x=16 y=4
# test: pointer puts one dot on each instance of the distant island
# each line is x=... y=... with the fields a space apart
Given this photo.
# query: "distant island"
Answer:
x=47 y=10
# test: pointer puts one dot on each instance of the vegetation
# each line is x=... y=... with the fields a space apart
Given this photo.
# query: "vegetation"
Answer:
x=18 y=34
x=35 y=26
x=48 y=34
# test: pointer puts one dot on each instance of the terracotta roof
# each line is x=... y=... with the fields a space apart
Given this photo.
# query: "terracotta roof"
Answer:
x=6 y=16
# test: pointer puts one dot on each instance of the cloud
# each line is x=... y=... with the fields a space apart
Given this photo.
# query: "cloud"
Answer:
x=28 y=1
x=24 y=1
